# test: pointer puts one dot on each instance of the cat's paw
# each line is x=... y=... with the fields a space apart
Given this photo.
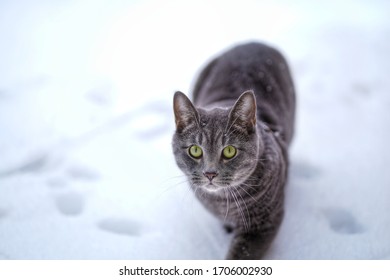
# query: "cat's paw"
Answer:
x=228 y=228
x=343 y=221
x=70 y=203
x=120 y=226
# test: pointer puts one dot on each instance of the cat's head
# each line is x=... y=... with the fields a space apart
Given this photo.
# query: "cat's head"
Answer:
x=216 y=148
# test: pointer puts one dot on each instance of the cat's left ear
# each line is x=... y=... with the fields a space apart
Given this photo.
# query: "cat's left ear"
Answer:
x=243 y=113
x=185 y=112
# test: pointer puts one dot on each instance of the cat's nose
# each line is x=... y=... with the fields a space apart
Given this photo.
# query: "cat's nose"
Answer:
x=210 y=174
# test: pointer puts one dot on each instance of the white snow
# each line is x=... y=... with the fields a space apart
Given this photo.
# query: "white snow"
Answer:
x=86 y=87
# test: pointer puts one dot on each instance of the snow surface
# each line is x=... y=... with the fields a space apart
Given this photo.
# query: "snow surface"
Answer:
x=86 y=168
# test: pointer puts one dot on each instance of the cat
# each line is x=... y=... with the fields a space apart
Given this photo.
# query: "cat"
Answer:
x=232 y=142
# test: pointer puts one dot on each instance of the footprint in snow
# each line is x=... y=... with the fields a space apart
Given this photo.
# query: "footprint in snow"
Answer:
x=83 y=173
x=120 y=226
x=343 y=221
x=56 y=182
x=304 y=170
x=76 y=173
x=33 y=165
x=70 y=203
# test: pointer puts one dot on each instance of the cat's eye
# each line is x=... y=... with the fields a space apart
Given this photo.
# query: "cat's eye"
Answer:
x=195 y=151
x=229 y=152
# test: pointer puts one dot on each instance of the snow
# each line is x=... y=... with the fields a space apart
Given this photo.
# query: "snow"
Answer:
x=86 y=87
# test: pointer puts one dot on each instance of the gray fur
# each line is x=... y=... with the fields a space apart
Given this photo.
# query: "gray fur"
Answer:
x=244 y=98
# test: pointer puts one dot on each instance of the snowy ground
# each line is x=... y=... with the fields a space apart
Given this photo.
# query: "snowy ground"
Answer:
x=86 y=168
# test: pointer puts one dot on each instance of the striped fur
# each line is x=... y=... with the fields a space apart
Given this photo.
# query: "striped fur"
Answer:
x=244 y=98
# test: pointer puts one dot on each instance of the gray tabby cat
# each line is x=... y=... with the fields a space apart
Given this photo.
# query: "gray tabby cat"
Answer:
x=232 y=143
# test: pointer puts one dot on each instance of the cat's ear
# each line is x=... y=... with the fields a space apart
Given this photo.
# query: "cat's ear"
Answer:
x=185 y=112
x=243 y=113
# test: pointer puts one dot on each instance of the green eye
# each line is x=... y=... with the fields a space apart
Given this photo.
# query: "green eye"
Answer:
x=195 y=151
x=229 y=152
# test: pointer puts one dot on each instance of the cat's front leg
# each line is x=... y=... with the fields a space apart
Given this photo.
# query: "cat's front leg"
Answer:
x=249 y=245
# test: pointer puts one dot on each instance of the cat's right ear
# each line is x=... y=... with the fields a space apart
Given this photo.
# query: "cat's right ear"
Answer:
x=243 y=113
x=185 y=112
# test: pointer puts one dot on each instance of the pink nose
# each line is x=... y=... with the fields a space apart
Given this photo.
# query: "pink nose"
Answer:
x=210 y=175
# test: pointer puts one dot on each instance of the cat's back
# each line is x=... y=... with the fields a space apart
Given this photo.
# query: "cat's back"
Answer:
x=253 y=66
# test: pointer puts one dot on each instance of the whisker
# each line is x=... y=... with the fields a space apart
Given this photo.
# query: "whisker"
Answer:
x=228 y=130
x=247 y=210
x=259 y=193
x=231 y=132
x=240 y=210
x=247 y=193
x=227 y=203
x=250 y=187
x=165 y=189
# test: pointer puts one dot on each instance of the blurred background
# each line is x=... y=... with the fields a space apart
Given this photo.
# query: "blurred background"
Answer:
x=86 y=167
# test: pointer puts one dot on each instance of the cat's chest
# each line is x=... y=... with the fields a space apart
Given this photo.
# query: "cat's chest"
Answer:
x=232 y=205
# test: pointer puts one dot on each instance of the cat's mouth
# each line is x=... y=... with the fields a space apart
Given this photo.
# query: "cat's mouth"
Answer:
x=219 y=183
x=212 y=186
